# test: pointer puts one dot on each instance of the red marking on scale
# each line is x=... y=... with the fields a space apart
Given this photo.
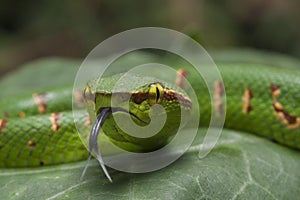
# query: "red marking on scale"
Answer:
x=171 y=95
x=248 y=95
x=291 y=121
x=219 y=92
x=31 y=144
x=3 y=124
x=39 y=100
x=54 y=121
x=181 y=77
x=79 y=99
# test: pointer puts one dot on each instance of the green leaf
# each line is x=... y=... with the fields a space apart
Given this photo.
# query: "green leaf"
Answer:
x=241 y=166
x=44 y=73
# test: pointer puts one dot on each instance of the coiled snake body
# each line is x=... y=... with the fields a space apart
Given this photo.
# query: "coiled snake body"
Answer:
x=39 y=130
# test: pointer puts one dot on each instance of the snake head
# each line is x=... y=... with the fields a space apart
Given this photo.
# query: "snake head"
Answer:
x=147 y=104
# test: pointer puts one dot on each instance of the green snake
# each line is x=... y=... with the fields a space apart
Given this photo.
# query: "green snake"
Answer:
x=39 y=130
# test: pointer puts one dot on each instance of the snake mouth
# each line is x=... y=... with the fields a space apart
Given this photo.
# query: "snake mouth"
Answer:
x=103 y=114
x=136 y=117
x=120 y=109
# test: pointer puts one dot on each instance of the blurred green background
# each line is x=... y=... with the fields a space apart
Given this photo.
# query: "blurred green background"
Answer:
x=32 y=29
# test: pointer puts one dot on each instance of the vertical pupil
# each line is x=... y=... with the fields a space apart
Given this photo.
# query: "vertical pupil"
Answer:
x=157 y=94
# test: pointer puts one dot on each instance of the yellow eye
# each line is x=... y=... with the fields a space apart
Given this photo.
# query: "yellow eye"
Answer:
x=156 y=93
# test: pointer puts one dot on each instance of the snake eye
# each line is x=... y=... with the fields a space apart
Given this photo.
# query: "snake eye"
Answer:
x=156 y=92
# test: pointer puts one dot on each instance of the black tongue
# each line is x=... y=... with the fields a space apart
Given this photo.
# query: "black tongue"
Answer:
x=93 y=140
